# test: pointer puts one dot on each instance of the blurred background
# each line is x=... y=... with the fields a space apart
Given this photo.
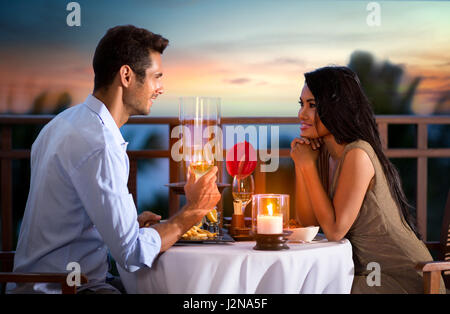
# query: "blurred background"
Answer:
x=250 y=53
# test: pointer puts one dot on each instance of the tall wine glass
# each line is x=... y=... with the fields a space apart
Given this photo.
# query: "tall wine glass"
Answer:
x=200 y=116
x=200 y=119
x=243 y=189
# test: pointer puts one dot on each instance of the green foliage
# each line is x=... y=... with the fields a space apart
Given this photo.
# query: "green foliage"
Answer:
x=382 y=83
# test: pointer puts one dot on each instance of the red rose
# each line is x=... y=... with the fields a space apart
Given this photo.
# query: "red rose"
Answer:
x=241 y=160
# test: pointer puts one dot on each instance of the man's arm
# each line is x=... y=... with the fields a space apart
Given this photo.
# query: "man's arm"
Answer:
x=202 y=195
x=101 y=184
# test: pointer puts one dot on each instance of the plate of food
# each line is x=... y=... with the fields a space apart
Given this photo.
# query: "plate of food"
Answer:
x=197 y=235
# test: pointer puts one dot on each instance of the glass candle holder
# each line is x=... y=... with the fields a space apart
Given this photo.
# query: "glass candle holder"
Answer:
x=270 y=213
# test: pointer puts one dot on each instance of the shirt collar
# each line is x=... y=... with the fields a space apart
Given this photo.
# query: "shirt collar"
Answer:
x=105 y=116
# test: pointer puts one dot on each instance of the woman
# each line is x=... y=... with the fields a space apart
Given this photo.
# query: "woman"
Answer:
x=349 y=187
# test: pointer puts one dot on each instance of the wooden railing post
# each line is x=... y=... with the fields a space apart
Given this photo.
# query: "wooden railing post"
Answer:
x=383 y=130
x=6 y=192
x=260 y=179
x=422 y=178
x=174 y=199
x=132 y=178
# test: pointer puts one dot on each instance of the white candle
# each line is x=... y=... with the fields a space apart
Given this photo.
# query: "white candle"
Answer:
x=269 y=224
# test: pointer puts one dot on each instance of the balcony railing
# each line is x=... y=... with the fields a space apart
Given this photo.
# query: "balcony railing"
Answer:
x=421 y=153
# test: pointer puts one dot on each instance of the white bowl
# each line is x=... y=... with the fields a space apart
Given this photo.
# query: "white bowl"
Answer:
x=305 y=234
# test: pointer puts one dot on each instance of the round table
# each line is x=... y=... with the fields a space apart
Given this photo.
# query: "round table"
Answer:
x=315 y=267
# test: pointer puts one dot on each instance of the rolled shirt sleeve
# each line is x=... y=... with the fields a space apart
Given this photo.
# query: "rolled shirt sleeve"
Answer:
x=101 y=183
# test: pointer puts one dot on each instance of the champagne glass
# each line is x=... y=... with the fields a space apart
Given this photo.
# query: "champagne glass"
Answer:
x=200 y=118
x=242 y=190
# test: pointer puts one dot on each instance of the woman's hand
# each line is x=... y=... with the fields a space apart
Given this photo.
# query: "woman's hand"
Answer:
x=304 y=151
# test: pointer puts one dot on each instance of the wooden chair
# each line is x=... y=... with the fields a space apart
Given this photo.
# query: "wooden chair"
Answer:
x=7 y=259
x=432 y=270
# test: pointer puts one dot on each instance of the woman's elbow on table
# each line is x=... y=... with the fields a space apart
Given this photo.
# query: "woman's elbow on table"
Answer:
x=334 y=235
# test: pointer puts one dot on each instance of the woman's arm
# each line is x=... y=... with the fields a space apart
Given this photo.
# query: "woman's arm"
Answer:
x=338 y=215
x=303 y=206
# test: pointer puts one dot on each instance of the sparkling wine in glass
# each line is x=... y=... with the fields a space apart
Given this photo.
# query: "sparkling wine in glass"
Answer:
x=201 y=167
x=242 y=190
x=201 y=163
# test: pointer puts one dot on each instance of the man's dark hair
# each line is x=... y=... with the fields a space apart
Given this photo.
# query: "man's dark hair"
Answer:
x=125 y=45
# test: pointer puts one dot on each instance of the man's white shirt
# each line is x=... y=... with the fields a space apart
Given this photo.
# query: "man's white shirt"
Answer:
x=79 y=205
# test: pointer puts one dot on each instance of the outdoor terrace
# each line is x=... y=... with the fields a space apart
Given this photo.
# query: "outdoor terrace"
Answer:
x=421 y=153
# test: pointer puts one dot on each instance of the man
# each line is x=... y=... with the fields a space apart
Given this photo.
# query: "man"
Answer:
x=79 y=205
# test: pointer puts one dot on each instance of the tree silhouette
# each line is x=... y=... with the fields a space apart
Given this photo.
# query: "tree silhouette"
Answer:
x=382 y=84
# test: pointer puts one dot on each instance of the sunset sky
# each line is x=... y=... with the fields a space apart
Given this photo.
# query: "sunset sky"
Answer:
x=251 y=53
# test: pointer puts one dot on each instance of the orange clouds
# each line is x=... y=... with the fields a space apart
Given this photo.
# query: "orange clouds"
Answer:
x=27 y=73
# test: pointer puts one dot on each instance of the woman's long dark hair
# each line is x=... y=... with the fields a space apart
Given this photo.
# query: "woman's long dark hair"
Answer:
x=347 y=113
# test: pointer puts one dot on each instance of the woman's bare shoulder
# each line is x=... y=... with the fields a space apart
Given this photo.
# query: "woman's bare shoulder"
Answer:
x=358 y=160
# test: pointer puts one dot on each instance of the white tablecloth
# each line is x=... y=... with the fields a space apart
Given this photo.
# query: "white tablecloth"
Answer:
x=316 y=267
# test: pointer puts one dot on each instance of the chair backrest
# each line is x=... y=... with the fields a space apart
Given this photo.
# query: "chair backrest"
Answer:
x=445 y=239
x=6 y=265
